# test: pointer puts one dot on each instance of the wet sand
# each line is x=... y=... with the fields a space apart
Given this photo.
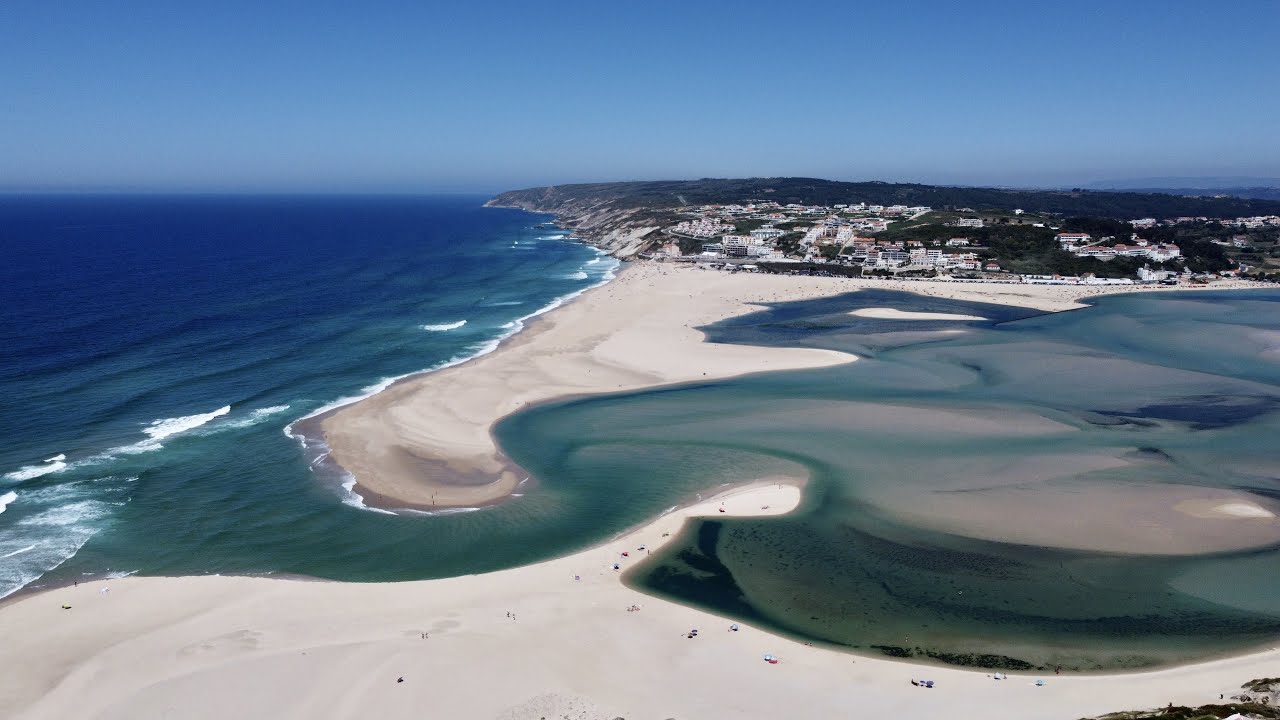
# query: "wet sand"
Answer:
x=553 y=639
x=426 y=442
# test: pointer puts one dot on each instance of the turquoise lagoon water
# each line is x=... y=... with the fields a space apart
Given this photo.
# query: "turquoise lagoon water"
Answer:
x=955 y=477
x=154 y=351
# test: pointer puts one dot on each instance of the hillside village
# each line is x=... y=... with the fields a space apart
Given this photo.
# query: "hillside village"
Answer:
x=907 y=241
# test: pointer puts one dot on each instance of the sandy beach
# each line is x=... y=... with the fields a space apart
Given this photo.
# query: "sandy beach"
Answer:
x=554 y=639
x=425 y=442
x=550 y=640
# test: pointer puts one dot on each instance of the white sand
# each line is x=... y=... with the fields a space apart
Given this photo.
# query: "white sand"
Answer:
x=1220 y=509
x=219 y=647
x=425 y=442
x=892 y=314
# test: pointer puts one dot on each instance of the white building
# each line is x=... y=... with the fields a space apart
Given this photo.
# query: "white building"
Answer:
x=969 y=222
x=702 y=227
x=1070 y=240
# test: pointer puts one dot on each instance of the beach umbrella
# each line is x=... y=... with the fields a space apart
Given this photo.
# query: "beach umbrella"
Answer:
x=734 y=627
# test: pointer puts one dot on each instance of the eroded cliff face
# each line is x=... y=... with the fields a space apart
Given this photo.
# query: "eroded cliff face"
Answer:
x=604 y=222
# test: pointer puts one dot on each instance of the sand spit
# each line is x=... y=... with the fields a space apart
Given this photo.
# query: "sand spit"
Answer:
x=892 y=314
x=543 y=640
x=425 y=442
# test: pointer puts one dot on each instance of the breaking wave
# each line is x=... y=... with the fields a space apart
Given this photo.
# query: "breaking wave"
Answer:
x=445 y=326
x=256 y=416
x=168 y=427
x=29 y=472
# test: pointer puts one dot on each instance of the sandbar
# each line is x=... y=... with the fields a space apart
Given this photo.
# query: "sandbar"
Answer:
x=893 y=314
x=553 y=639
x=425 y=442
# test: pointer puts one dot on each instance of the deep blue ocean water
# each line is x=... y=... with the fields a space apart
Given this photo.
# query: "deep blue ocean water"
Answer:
x=154 y=352
x=153 y=349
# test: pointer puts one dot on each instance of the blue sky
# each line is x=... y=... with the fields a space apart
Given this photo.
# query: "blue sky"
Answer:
x=484 y=96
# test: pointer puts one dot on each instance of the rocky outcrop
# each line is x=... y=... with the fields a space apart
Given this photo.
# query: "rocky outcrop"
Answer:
x=607 y=223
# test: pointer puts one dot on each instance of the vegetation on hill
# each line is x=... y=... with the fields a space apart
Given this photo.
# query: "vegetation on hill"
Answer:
x=675 y=193
x=629 y=217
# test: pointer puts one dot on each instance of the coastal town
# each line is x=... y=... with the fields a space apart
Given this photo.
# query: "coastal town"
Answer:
x=915 y=242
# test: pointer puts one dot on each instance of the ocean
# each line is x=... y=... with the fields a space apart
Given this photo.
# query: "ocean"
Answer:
x=156 y=349
x=987 y=493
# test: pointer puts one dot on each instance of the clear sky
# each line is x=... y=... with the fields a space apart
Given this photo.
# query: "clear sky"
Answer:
x=484 y=96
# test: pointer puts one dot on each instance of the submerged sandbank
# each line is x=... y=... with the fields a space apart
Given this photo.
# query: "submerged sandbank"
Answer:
x=425 y=442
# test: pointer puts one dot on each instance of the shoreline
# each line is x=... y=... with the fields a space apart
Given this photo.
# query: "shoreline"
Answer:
x=424 y=442
x=309 y=433
x=218 y=646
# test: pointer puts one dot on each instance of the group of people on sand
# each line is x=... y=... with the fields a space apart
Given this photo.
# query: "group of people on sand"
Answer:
x=633 y=608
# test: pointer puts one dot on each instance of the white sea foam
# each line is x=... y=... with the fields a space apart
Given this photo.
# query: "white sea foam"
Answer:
x=69 y=514
x=29 y=472
x=160 y=429
x=25 y=564
x=445 y=326
x=255 y=417
x=503 y=303
x=580 y=275
x=63 y=517
x=156 y=431
x=593 y=261
x=353 y=498
x=18 y=552
x=476 y=351
x=7 y=498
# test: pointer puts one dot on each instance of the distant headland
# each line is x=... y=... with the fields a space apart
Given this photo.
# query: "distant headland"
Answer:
x=921 y=231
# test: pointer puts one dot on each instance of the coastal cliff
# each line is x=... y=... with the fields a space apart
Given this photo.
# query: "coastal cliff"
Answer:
x=626 y=218
x=609 y=223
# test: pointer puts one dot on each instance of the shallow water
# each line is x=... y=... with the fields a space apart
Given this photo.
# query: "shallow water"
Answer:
x=155 y=350
x=1005 y=496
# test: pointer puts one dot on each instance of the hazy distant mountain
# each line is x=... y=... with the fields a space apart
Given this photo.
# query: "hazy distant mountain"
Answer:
x=1241 y=187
